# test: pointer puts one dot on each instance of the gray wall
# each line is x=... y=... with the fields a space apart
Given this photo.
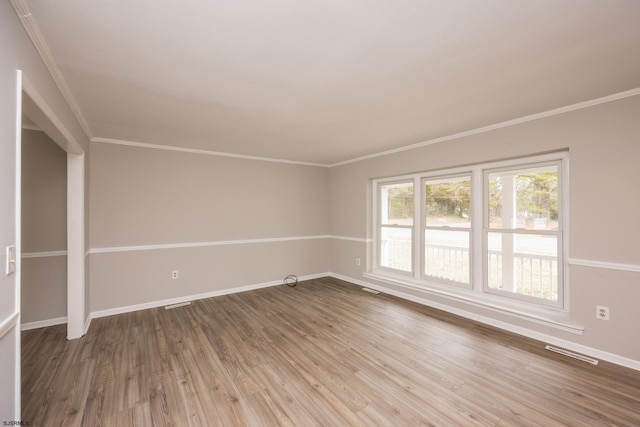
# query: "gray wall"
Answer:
x=142 y=197
x=17 y=52
x=44 y=228
x=604 y=147
x=146 y=197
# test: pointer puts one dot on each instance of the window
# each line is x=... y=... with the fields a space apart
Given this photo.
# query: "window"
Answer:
x=495 y=229
x=523 y=231
x=447 y=229
x=396 y=225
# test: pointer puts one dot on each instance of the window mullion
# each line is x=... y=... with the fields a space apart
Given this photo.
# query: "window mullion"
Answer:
x=477 y=235
x=418 y=219
x=515 y=219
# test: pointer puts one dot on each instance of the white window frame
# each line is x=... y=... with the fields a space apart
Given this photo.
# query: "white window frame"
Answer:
x=558 y=234
x=377 y=232
x=424 y=227
x=478 y=289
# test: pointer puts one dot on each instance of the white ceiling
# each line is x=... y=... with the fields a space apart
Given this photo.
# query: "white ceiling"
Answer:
x=325 y=81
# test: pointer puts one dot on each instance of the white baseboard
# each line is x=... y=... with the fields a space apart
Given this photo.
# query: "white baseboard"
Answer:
x=569 y=345
x=177 y=300
x=43 y=323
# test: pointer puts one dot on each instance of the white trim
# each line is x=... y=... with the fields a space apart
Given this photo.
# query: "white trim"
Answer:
x=43 y=254
x=199 y=151
x=477 y=244
x=570 y=345
x=8 y=324
x=603 y=355
x=605 y=264
x=43 y=323
x=351 y=239
x=543 y=315
x=478 y=240
x=31 y=28
x=75 y=212
x=178 y=300
x=39 y=42
x=72 y=144
x=75 y=245
x=500 y=125
x=559 y=160
x=203 y=244
x=87 y=323
x=17 y=284
x=31 y=127
x=217 y=243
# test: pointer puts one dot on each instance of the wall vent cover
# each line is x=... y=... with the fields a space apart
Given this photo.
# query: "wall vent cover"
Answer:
x=571 y=354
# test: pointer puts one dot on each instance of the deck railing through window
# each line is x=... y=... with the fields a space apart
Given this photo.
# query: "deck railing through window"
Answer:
x=534 y=275
x=396 y=253
x=447 y=262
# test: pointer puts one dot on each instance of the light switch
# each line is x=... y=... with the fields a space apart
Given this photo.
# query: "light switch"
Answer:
x=11 y=260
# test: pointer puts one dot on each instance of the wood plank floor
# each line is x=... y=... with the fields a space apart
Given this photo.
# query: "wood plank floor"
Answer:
x=323 y=353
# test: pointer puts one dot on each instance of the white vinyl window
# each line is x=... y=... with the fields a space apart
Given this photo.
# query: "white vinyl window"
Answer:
x=447 y=229
x=496 y=229
x=523 y=232
x=396 y=226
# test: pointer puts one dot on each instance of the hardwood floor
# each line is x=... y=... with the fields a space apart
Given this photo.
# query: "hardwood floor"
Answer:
x=322 y=353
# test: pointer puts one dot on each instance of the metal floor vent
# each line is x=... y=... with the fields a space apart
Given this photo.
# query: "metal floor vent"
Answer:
x=181 y=304
x=371 y=291
x=571 y=354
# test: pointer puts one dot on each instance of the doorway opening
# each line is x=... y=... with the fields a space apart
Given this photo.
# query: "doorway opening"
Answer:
x=40 y=115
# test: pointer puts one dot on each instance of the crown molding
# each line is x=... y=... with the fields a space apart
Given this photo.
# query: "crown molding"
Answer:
x=206 y=152
x=508 y=123
x=39 y=42
x=500 y=125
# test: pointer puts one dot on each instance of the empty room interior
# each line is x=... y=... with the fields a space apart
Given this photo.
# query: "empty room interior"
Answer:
x=320 y=213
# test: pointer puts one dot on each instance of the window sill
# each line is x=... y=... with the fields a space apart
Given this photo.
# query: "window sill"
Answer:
x=552 y=317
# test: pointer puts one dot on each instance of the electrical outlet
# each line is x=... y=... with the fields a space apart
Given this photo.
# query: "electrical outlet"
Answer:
x=357 y=261
x=602 y=312
x=175 y=274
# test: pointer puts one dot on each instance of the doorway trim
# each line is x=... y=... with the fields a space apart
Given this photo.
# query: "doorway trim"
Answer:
x=53 y=126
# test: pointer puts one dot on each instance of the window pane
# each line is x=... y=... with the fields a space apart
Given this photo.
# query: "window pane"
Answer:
x=525 y=198
x=448 y=202
x=446 y=255
x=525 y=264
x=395 y=248
x=396 y=203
